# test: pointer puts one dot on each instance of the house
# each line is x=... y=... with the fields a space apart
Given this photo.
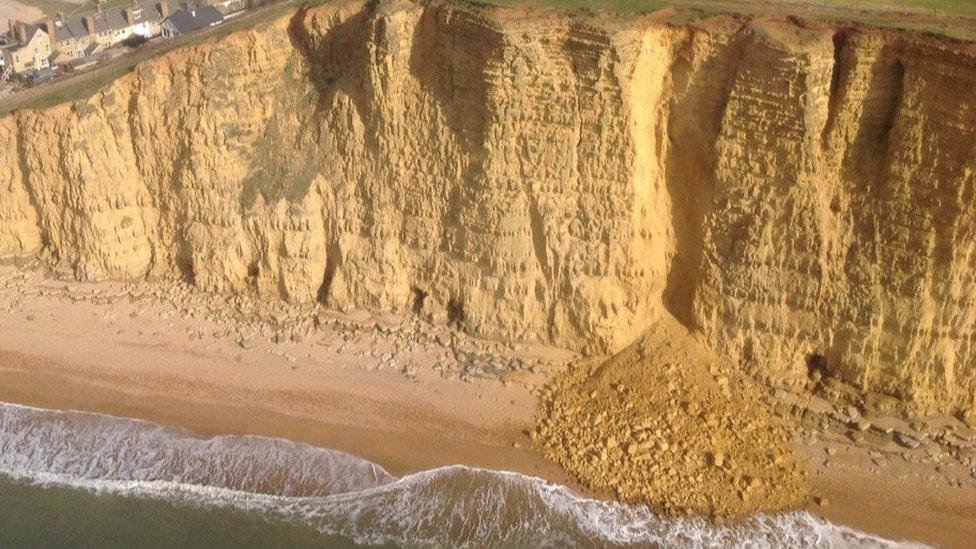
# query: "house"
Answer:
x=28 y=49
x=75 y=36
x=32 y=47
x=192 y=18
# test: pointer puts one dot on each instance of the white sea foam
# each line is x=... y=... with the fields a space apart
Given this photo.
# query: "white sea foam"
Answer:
x=338 y=493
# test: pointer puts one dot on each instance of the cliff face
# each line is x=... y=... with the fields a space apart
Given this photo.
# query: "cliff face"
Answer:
x=798 y=197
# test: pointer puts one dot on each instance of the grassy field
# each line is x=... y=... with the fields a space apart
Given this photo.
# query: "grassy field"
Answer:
x=51 y=7
x=615 y=5
x=925 y=7
x=949 y=18
x=90 y=4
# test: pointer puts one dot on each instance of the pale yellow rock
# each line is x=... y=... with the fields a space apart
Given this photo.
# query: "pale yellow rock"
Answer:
x=793 y=196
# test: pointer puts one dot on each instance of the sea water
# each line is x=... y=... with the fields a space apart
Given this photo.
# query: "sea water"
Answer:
x=77 y=479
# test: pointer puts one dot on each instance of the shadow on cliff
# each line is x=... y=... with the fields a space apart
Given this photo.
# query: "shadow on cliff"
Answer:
x=442 y=68
x=695 y=121
x=342 y=49
x=334 y=54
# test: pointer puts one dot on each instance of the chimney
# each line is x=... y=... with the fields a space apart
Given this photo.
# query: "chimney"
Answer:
x=90 y=23
x=98 y=6
x=130 y=11
x=49 y=27
x=61 y=16
x=20 y=32
x=164 y=8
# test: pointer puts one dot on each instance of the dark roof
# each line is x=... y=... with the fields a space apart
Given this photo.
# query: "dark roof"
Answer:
x=31 y=31
x=12 y=44
x=92 y=48
x=109 y=19
x=69 y=28
x=195 y=18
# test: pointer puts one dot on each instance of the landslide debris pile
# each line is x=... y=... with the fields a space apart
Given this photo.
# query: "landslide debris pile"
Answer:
x=795 y=195
x=667 y=423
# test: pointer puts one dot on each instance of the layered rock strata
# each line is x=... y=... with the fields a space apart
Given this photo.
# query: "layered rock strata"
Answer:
x=800 y=198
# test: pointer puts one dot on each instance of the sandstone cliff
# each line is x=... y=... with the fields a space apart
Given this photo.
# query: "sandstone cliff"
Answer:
x=798 y=197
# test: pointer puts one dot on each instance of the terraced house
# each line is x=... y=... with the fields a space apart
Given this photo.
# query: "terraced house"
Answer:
x=60 y=40
x=80 y=36
x=28 y=49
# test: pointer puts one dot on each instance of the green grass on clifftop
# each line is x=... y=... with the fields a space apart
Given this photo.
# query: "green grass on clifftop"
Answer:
x=924 y=7
x=950 y=18
x=49 y=7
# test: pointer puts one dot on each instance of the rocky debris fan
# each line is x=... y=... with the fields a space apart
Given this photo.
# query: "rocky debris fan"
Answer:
x=881 y=431
x=665 y=422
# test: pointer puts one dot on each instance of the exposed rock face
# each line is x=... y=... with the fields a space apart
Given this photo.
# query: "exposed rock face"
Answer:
x=795 y=196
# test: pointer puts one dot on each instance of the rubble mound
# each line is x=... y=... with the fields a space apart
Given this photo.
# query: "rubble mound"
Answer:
x=666 y=422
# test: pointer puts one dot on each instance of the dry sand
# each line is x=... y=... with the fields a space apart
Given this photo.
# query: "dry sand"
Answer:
x=149 y=359
x=166 y=357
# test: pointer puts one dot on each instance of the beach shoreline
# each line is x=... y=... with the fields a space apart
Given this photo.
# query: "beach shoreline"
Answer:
x=135 y=358
x=400 y=449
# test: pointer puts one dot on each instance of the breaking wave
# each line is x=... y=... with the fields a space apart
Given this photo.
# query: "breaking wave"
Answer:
x=340 y=494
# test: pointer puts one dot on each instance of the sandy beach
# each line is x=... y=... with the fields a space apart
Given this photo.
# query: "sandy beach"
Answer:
x=153 y=353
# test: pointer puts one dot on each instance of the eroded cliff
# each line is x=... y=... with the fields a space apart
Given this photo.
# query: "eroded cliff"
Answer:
x=798 y=197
